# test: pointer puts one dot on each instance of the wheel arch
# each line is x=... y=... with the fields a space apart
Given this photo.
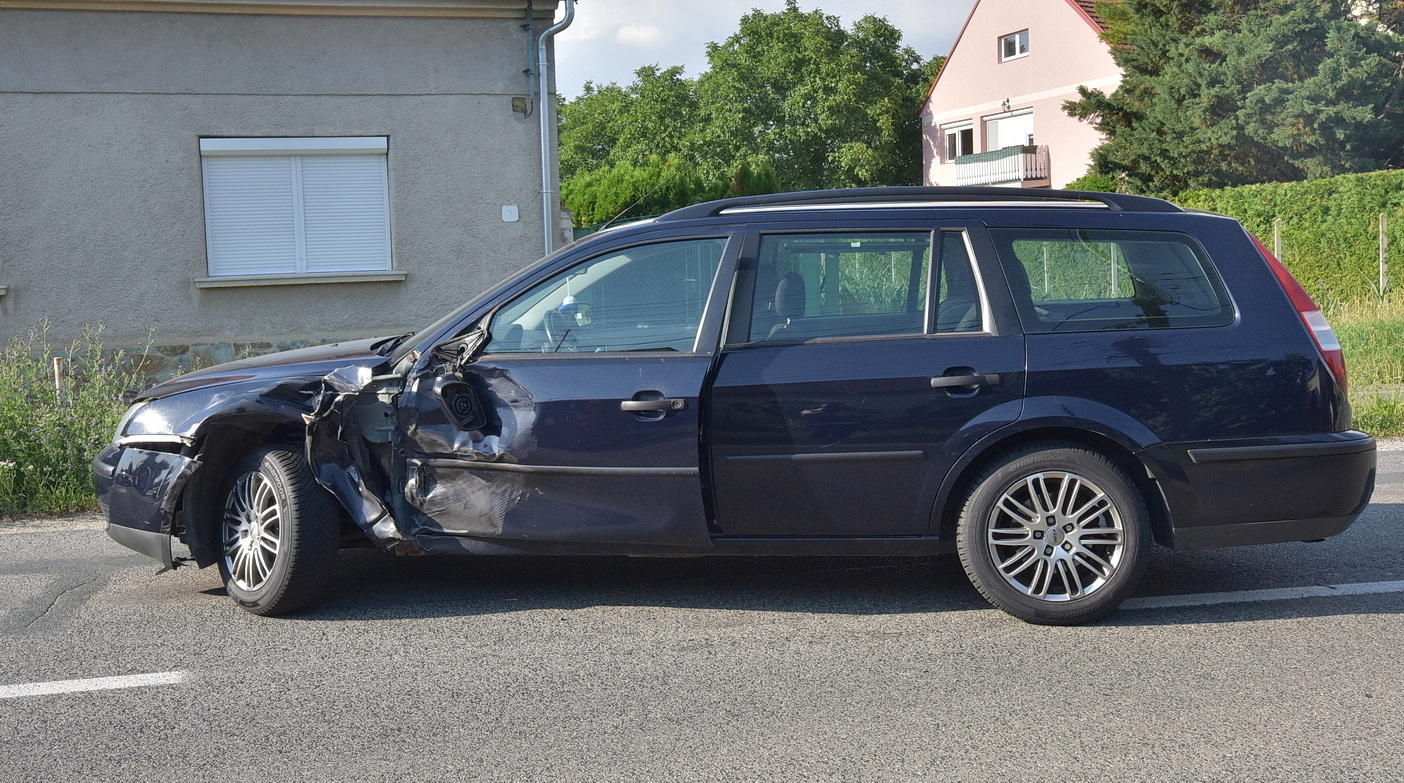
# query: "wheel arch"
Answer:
x=221 y=443
x=1118 y=447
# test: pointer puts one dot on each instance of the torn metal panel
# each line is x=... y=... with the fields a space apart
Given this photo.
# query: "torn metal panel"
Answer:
x=350 y=432
x=557 y=503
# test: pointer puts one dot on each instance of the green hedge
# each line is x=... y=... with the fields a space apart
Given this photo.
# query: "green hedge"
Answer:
x=1330 y=228
x=595 y=197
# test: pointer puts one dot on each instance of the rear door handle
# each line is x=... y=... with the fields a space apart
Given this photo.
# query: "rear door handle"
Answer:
x=972 y=379
x=644 y=406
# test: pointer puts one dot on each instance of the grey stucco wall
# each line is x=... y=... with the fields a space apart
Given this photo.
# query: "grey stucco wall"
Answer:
x=101 y=201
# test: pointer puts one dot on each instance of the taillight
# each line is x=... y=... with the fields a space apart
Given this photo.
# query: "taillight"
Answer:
x=1316 y=324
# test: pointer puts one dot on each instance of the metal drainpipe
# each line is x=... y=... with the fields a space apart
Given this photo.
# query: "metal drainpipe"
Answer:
x=543 y=109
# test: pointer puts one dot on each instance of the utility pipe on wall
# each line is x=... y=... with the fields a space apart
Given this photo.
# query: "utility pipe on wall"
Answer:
x=543 y=109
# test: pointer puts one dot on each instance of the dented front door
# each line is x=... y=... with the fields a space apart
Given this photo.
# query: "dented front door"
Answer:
x=578 y=420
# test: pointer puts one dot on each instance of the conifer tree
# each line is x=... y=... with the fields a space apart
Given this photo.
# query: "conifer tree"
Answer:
x=1218 y=93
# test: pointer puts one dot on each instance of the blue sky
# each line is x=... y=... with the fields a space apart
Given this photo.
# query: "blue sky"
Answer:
x=609 y=39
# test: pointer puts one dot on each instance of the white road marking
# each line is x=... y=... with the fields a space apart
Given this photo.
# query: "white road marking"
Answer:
x=94 y=684
x=1277 y=594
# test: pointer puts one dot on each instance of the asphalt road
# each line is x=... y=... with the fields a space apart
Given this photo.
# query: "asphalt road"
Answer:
x=704 y=670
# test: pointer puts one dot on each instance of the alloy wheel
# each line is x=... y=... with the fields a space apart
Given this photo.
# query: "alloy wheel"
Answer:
x=1055 y=536
x=253 y=522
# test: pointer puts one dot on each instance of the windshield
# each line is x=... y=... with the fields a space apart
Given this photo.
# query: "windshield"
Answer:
x=419 y=337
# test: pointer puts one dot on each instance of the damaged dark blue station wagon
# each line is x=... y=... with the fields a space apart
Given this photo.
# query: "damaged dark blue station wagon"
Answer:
x=1041 y=381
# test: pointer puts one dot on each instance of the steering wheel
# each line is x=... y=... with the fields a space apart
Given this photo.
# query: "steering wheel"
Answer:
x=560 y=333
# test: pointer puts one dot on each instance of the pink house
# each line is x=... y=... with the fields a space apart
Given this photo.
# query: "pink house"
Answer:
x=994 y=114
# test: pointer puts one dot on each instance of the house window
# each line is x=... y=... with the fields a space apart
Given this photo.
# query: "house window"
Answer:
x=1014 y=46
x=960 y=140
x=296 y=206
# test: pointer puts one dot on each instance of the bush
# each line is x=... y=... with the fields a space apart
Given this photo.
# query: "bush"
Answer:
x=625 y=192
x=1099 y=183
x=52 y=433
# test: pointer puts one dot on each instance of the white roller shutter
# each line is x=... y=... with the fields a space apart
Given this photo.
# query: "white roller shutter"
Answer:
x=249 y=216
x=345 y=214
x=323 y=211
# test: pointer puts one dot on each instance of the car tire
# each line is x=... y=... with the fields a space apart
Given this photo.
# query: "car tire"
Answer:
x=279 y=533
x=1054 y=534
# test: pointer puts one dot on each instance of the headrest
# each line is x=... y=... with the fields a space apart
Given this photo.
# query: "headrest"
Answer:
x=790 y=296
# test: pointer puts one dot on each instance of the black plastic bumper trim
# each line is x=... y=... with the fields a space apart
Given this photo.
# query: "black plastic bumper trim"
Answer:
x=1358 y=443
x=1243 y=534
x=156 y=546
x=844 y=456
x=560 y=470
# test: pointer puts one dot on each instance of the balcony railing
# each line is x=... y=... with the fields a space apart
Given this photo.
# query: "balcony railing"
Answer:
x=1010 y=166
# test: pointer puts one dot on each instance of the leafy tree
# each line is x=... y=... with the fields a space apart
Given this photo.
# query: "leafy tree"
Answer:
x=1218 y=93
x=828 y=107
x=791 y=101
x=611 y=125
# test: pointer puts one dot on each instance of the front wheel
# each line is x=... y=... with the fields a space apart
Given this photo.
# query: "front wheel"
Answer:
x=1054 y=534
x=278 y=533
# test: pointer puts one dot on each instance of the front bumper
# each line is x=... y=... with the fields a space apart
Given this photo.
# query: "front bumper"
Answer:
x=138 y=491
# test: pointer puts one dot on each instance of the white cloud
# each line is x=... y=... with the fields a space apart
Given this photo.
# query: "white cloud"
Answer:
x=639 y=35
x=610 y=39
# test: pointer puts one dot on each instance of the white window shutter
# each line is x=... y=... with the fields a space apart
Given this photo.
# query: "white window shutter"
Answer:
x=346 y=213
x=249 y=216
x=296 y=206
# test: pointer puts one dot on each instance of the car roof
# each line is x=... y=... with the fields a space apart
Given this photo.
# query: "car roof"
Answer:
x=917 y=198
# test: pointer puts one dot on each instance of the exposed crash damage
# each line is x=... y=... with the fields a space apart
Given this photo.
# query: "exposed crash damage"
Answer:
x=454 y=427
x=510 y=455
x=167 y=472
x=439 y=453
x=350 y=434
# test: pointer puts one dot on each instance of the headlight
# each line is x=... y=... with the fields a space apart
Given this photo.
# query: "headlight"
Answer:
x=127 y=420
x=148 y=426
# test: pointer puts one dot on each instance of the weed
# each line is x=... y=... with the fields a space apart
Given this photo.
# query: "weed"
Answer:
x=54 y=423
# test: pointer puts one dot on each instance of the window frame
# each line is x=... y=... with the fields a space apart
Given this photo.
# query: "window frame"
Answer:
x=736 y=330
x=954 y=130
x=933 y=286
x=701 y=346
x=295 y=150
x=1031 y=321
x=989 y=124
x=1019 y=39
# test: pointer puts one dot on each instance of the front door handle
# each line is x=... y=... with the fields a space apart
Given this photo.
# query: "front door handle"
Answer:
x=645 y=406
x=971 y=379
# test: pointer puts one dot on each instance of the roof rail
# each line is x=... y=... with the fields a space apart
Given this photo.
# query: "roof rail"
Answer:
x=907 y=195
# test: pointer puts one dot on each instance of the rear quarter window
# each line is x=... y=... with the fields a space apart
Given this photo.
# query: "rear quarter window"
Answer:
x=1078 y=280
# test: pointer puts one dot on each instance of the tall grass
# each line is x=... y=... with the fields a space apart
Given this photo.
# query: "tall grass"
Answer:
x=1372 y=333
x=51 y=431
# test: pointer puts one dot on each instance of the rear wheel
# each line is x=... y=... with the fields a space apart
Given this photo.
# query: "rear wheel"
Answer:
x=278 y=533
x=1054 y=534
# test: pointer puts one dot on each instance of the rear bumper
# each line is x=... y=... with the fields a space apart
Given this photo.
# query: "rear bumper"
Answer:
x=138 y=492
x=1266 y=490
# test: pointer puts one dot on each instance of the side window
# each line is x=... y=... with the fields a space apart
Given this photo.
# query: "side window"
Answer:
x=1068 y=280
x=958 y=306
x=646 y=298
x=840 y=285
